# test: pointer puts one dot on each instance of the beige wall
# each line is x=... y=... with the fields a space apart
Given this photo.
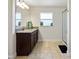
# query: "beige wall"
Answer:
x=48 y=33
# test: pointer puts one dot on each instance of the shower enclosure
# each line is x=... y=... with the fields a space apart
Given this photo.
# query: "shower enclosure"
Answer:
x=64 y=26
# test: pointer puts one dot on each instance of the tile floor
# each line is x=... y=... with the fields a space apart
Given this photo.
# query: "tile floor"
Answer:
x=46 y=50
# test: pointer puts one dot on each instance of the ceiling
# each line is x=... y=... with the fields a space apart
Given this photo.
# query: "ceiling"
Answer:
x=58 y=3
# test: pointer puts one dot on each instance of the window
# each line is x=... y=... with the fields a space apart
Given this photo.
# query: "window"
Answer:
x=46 y=19
x=18 y=19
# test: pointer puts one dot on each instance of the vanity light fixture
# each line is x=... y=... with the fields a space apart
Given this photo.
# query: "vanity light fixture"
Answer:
x=26 y=6
x=22 y=4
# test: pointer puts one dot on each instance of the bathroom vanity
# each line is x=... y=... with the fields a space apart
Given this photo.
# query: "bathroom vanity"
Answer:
x=25 y=41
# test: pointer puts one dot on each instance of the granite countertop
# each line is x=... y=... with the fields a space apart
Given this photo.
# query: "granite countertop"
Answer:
x=26 y=31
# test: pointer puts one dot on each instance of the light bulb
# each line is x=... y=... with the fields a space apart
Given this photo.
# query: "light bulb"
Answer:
x=26 y=6
x=20 y=5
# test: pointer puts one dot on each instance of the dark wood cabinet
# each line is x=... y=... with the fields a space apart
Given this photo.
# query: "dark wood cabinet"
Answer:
x=25 y=42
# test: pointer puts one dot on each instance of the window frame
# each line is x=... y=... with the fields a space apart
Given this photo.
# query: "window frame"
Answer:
x=51 y=24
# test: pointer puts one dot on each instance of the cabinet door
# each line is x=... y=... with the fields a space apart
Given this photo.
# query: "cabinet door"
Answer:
x=19 y=40
x=19 y=43
x=32 y=40
x=23 y=44
x=36 y=35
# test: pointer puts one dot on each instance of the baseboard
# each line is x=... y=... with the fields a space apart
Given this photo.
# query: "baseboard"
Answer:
x=12 y=56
